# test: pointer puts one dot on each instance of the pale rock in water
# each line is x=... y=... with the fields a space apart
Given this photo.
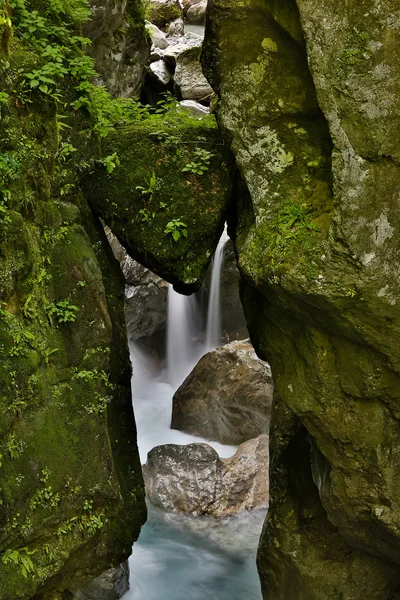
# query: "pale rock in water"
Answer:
x=158 y=37
x=176 y=28
x=193 y=479
x=186 y=4
x=189 y=76
x=197 y=12
x=160 y=72
x=194 y=108
x=179 y=45
x=227 y=397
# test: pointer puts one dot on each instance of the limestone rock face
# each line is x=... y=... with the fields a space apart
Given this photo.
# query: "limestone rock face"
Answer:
x=194 y=480
x=308 y=100
x=145 y=294
x=319 y=564
x=111 y=585
x=227 y=397
x=119 y=45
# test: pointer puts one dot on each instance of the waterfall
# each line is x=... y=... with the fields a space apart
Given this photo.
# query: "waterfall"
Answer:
x=183 y=323
x=213 y=331
x=182 y=331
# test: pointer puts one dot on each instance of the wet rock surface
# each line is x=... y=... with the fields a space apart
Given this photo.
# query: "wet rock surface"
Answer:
x=192 y=479
x=111 y=585
x=227 y=397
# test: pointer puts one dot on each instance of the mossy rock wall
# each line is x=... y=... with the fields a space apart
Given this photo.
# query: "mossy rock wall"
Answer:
x=139 y=216
x=308 y=102
x=71 y=489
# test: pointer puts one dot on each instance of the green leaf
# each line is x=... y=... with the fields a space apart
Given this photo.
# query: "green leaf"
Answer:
x=176 y=235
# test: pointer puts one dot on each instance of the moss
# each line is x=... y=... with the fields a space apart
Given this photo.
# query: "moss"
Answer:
x=139 y=218
x=60 y=451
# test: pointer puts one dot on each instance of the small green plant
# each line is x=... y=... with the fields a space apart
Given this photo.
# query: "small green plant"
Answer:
x=66 y=151
x=146 y=215
x=99 y=406
x=201 y=162
x=111 y=162
x=14 y=446
x=45 y=498
x=63 y=311
x=176 y=228
x=9 y=167
x=152 y=185
x=21 y=558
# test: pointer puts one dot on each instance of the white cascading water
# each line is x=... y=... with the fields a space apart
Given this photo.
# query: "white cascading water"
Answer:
x=176 y=556
x=213 y=331
x=182 y=331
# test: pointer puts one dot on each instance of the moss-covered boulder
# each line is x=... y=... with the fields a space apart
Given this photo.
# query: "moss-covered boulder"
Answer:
x=308 y=100
x=167 y=196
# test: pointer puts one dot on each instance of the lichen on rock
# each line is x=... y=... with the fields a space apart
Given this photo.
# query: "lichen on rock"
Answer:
x=307 y=100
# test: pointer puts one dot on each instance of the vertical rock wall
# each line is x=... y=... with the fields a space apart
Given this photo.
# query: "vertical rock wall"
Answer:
x=308 y=101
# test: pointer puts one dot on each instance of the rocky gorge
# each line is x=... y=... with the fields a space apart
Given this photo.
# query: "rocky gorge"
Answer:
x=283 y=122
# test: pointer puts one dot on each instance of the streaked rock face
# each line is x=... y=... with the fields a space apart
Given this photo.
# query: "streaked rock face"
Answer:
x=120 y=49
x=192 y=479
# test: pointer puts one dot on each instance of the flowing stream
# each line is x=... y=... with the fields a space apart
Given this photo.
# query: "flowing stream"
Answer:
x=178 y=557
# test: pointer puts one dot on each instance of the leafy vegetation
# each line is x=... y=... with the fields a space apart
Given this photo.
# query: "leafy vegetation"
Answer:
x=63 y=311
x=176 y=228
x=201 y=162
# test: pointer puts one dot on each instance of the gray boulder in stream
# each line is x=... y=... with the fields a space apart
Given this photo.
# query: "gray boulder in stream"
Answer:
x=193 y=479
x=110 y=585
x=227 y=397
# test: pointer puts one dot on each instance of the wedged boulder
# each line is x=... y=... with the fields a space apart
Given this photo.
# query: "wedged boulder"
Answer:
x=179 y=45
x=193 y=479
x=307 y=99
x=197 y=12
x=163 y=213
x=110 y=585
x=227 y=397
x=163 y=12
x=189 y=76
x=119 y=46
